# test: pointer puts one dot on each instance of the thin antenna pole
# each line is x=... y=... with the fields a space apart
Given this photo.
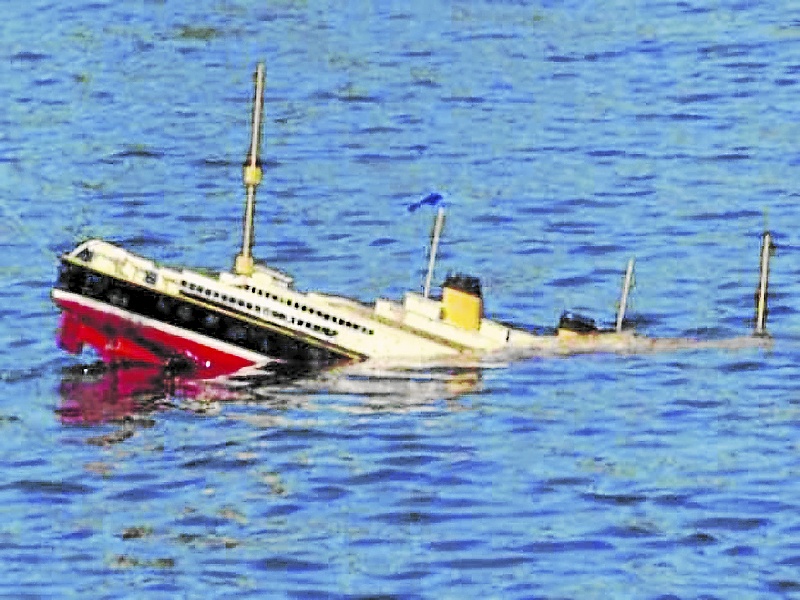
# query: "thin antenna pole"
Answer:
x=763 y=284
x=437 y=231
x=623 y=301
x=252 y=176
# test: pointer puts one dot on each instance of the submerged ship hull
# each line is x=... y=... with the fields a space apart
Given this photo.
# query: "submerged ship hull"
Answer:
x=127 y=323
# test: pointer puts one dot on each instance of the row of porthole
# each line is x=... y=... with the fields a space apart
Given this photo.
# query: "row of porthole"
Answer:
x=201 y=290
x=307 y=325
x=313 y=311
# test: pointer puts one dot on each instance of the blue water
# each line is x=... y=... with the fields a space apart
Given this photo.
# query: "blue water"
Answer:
x=566 y=137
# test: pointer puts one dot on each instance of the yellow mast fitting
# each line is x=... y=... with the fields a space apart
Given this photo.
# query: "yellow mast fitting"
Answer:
x=251 y=176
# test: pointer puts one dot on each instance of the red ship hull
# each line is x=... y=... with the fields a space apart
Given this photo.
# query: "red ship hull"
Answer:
x=122 y=337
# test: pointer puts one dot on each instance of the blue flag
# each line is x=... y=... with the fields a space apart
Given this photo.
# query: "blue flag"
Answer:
x=433 y=199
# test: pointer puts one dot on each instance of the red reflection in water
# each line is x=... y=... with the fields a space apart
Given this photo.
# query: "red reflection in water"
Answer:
x=98 y=394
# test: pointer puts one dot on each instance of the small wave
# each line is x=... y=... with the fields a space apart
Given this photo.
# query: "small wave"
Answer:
x=695 y=98
x=617 y=499
x=741 y=551
x=454 y=545
x=27 y=56
x=464 y=99
x=595 y=249
x=288 y=564
x=606 y=153
x=731 y=523
x=699 y=539
x=50 y=488
x=746 y=65
x=731 y=156
x=199 y=33
x=634 y=530
x=491 y=35
x=598 y=56
x=726 y=50
x=784 y=585
x=558 y=547
x=137 y=152
x=560 y=58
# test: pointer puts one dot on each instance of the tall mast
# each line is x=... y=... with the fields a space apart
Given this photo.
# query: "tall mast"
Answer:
x=767 y=247
x=623 y=299
x=252 y=177
x=438 y=224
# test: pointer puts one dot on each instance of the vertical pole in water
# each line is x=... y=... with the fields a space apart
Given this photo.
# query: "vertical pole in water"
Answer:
x=763 y=283
x=252 y=177
x=623 y=301
x=437 y=231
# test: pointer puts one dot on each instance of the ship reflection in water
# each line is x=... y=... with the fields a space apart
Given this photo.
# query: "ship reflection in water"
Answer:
x=97 y=393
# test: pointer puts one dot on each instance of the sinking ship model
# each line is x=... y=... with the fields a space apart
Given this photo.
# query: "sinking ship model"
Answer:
x=131 y=310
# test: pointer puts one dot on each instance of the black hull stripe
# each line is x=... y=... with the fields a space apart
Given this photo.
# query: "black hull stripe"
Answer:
x=240 y=329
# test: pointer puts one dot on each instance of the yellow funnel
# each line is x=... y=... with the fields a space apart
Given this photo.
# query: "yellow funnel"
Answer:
x=462 y=302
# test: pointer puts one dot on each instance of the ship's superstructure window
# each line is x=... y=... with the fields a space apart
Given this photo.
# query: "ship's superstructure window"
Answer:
x=290 y=302
x=310 y=309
